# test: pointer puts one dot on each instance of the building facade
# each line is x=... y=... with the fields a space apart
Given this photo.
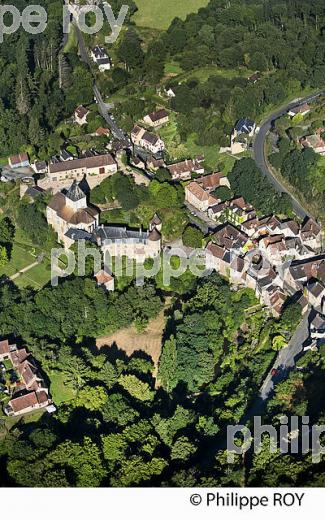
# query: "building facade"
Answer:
x=77 y=169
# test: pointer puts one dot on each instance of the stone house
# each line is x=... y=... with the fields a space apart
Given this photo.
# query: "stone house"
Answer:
x=182 y=171
x=156 y=119
x=147 y=140
x=198 y=197
x=135 y=245
x=79 y=168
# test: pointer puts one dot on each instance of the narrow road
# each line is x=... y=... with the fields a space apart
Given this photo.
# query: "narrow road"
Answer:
x=259 y=150
x=286 y=358
x=117 y=132
x=285 y=361
x=207 y=222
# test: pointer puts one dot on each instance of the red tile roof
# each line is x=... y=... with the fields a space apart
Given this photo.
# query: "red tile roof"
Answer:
x=4 y=347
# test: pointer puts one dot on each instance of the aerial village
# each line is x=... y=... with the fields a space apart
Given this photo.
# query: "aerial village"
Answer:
x=276 y=258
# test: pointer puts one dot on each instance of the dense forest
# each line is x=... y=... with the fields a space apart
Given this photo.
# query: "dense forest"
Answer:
x=121 y=428
x=39 y=86
x=302 y=167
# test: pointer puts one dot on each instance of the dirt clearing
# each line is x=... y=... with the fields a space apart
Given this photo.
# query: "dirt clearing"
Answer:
x=129 y=340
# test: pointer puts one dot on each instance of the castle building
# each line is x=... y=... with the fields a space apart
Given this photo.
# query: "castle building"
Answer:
x=69 y=211
x=134 y=244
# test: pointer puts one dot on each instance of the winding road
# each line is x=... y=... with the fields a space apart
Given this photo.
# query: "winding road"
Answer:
x=259 y=150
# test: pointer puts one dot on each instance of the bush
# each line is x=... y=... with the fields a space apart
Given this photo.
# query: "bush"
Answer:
x=192 y=237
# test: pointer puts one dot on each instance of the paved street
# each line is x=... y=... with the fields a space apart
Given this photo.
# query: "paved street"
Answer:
x=9 y=174
x=259 y=150
x=207 y=222
x=285 y=361
x=117 y=132
x=286 y=358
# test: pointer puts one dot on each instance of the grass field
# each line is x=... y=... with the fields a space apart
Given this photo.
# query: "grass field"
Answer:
x=60 y=391
x=20 y=258
x=158 y=14
x=36 y=277
x=23 y=255
x=202 y=74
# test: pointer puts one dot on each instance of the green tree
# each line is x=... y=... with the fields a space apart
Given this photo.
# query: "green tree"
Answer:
x=3 y=256
x=168 y=365
x=136 y=388
x=193 y=237
x=91 y=398
x=182 y=449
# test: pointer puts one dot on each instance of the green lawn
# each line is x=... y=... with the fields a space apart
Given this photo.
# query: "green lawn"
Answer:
x=172 y=67
x=158 y=14
x=36 y=277
x=24 y=254
x=3 y=161
x=20 y=259
x=60 y=391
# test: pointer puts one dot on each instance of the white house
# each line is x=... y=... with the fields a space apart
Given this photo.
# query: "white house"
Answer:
x=39 y=166
x=105 y=279
x=19 y=161
x=147 y=140
x=245 y=128
x=101 y=58
x=170 y=93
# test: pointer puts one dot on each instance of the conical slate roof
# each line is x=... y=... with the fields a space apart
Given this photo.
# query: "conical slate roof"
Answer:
x=75 y=193
x=154 y=236
x=155 y=220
